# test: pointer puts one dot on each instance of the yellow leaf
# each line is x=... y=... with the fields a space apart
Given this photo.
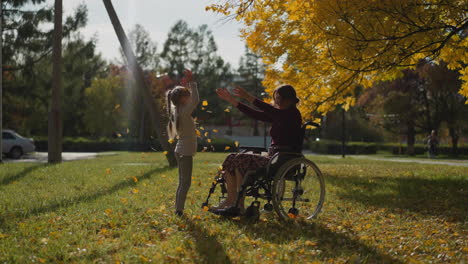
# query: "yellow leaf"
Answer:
x=41 y=260
x=310 y=243
x=236 y=143
x=165 y=152
x=205 y=208
x=202 y=128
x=227 y=148
x=179 y=249
x=292 y=216
x=108 y=211
x=108 y=171
x=215 y=130
x=171 y=141
x=144 y=259
x=208 y=140
x=227 y=110
x=198 y=132
x=135 y=191
x=135 y=179
x=206 y=134
x=205 y=103
x=117 y=106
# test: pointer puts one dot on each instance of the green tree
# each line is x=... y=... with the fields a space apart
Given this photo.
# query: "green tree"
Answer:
x=27 y=86
x=195 y=49
x=103 y=114
x=444 y=102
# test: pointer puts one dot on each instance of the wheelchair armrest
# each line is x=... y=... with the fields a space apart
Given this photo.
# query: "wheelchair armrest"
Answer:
x=259 y=150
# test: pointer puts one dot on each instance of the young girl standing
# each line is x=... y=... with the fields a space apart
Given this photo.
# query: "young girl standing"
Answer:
x=181 y=101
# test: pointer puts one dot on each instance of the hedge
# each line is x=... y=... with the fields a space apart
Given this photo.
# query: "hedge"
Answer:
x=334 y=147
x=420 y=149
x=81 y=144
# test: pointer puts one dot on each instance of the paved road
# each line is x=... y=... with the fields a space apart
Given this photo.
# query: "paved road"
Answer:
x=66 y=156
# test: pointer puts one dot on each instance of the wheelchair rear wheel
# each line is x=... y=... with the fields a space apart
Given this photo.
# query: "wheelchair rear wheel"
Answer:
x=298 y=190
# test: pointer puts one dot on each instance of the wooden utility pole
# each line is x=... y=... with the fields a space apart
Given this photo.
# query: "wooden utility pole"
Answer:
x=150 y=103
x=55 y=114
x=1 y=81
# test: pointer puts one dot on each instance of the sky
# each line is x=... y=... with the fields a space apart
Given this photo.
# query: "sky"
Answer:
x=157 y=17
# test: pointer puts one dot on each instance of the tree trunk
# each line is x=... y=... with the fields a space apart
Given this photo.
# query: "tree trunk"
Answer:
x=150 y=103
x=55 y=114
x=1 y=82
x=410 y=138
x=454 y=135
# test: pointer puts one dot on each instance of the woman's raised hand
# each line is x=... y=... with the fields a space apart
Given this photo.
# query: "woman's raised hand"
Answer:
x=226 y=95
x=242 y=93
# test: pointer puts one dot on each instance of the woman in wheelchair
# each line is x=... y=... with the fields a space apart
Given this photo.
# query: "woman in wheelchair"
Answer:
x=286 y=129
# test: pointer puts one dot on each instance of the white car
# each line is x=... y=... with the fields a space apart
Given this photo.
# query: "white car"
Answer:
x=14 y=145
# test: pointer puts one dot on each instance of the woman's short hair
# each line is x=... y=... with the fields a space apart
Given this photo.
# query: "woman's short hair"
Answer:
x=287 y=92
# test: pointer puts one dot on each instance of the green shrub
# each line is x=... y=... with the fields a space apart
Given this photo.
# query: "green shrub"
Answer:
x=81 y=144
x=334 y=147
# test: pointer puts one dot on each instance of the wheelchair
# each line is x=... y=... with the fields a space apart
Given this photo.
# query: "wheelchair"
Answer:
x=291 y=185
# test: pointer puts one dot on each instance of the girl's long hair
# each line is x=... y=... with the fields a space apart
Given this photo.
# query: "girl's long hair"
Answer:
x=173 y=101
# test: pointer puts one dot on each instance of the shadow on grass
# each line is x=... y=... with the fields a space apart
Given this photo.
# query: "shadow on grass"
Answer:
x=12 y=178
x=330 y=244
x=437 y=197
x=83 y=198
x=210 y=249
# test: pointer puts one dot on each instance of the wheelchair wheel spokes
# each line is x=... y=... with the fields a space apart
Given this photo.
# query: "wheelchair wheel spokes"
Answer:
x=298 y=190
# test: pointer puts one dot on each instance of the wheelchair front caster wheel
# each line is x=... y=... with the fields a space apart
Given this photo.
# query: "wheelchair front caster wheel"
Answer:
x=293 y=212
x=268 y=207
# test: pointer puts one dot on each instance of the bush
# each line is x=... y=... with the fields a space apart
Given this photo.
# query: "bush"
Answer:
x=420 y=149
x=334 y=147
x=217 y=145
x=81 y=144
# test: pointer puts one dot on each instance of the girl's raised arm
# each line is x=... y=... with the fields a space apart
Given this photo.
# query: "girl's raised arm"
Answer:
x=195 y=96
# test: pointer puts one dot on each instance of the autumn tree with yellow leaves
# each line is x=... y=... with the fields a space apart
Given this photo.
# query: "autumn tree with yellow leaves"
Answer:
x=325 y=48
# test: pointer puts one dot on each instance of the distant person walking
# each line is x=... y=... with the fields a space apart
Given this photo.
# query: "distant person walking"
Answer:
x=432 y=142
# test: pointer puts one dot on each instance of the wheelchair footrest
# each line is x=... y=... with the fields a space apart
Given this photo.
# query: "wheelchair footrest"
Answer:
x=229 y=212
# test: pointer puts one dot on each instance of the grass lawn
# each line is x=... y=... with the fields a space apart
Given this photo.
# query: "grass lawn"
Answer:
x=119 y=208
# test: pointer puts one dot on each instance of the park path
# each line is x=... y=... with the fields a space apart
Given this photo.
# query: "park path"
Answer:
x=457 y=163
